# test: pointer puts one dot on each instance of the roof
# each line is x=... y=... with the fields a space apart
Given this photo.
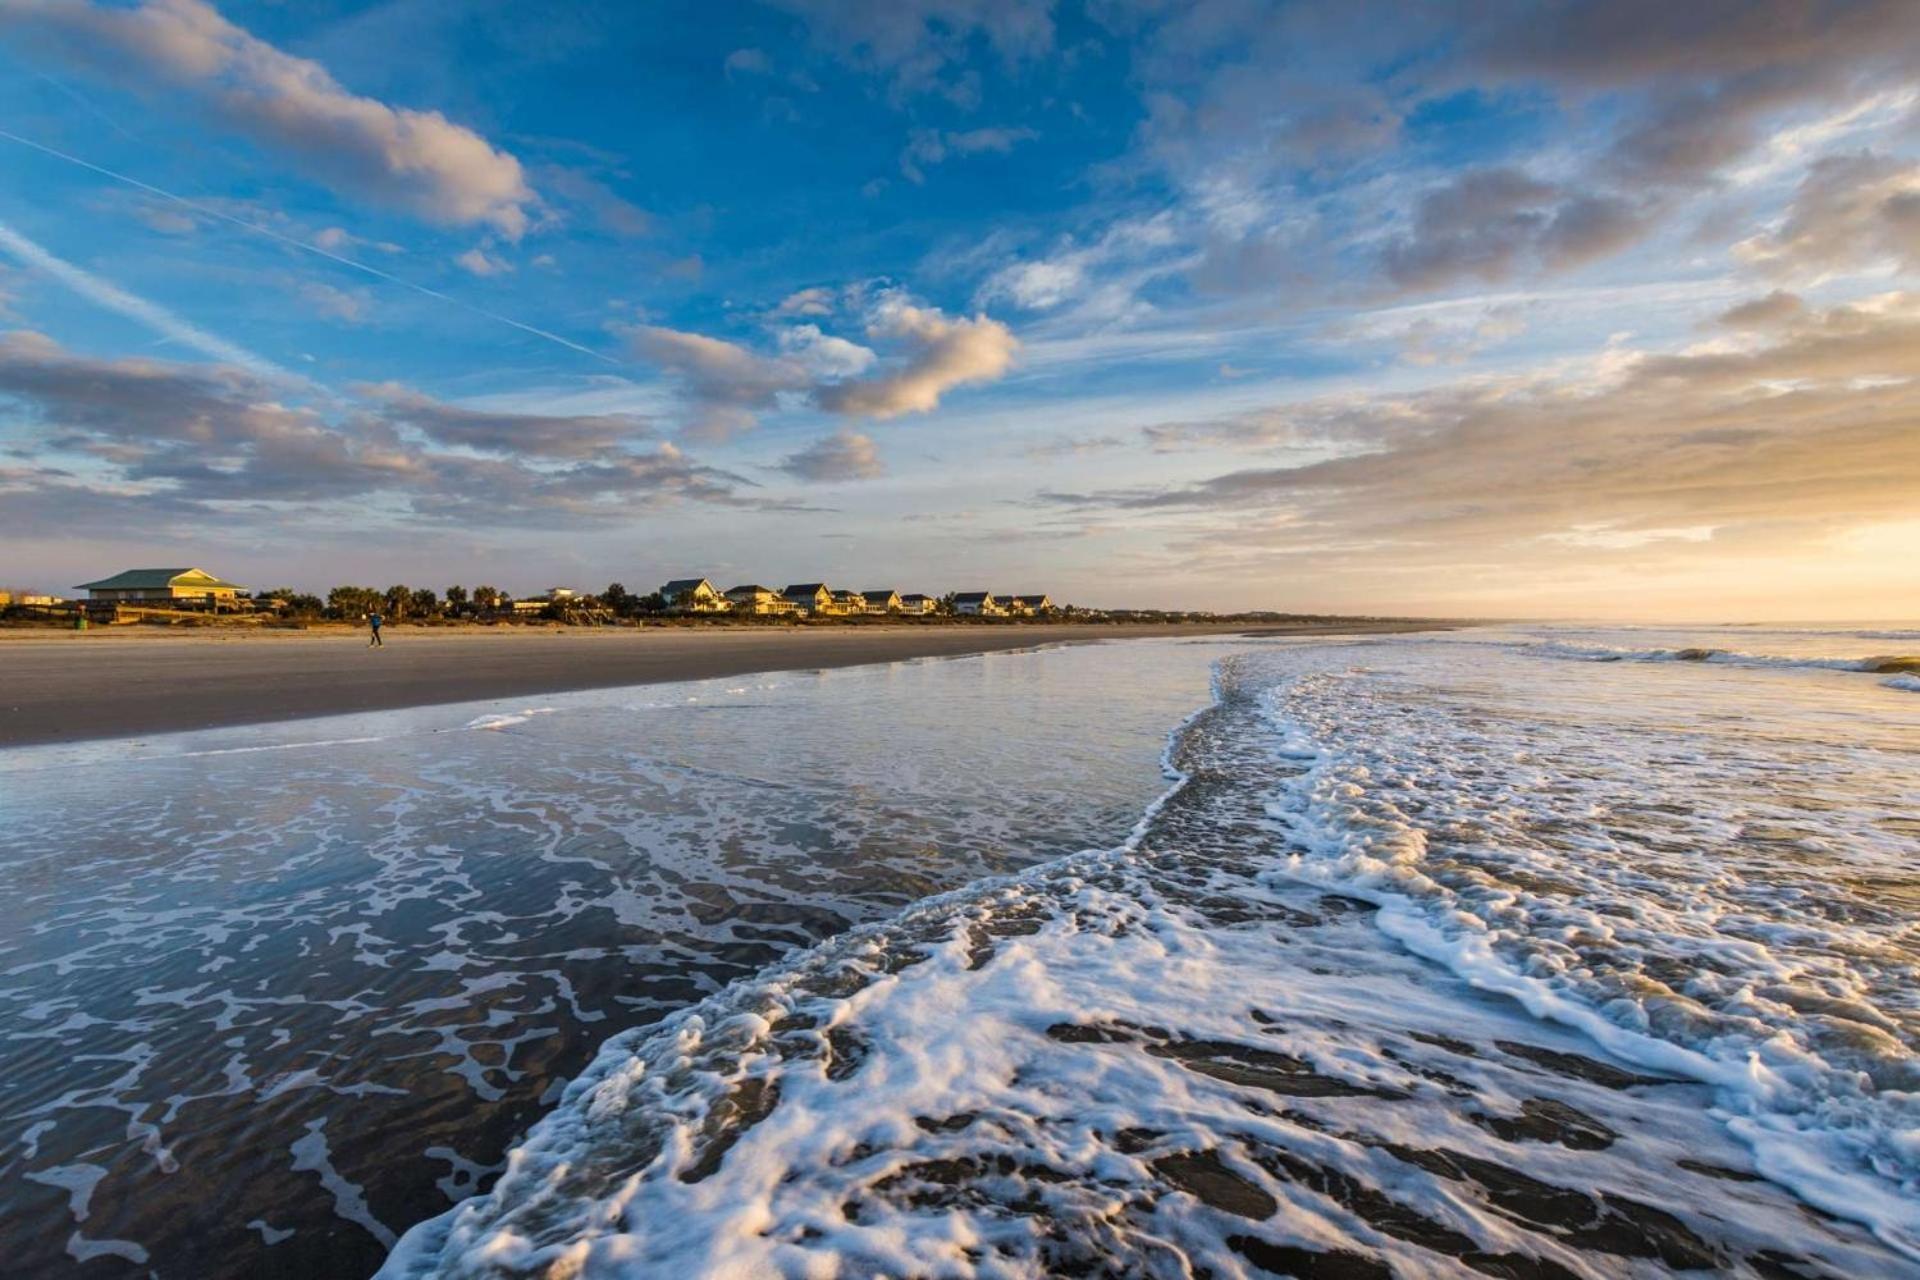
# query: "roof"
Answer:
x=679 y=585
x=808 y=589
x=155 y=580
x=885 y=593
x=750 y=588
x=972 y=597
x=915 y=595
x=1028 y=595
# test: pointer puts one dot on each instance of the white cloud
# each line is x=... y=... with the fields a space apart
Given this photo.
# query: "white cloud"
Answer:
x=479 y=262
x=824 y=356
x=942 y=353
x=418 y=161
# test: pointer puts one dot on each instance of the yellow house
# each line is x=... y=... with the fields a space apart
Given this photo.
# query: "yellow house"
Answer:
x=750 y=597
x=811 y=597
x=162 y=586
x=693 y=595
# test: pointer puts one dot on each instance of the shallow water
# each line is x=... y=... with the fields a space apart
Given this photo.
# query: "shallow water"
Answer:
x=1529 y=953
x=268 y=996
x=1447 y=956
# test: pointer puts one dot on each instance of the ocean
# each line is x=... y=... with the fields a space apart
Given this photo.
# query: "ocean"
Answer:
x=1545 y=951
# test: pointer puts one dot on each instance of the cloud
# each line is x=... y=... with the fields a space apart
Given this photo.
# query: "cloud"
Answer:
x=932 y=146
x=477 y=261
x=941 y=353
x=1850 y=211
x=1779 y=443
x=608 y=210
x=1073 y=447
x=1487 y=224
x=513 y=434
x=726 y=384
x=171 y=439
x=824 y=357
x=816 y=301
x=844 y=455
x=113 y=298
x=348 y=307
x=750 y=62
x=917 y=42
x=1776 y=309
x=418 y=161
x=1709 y=73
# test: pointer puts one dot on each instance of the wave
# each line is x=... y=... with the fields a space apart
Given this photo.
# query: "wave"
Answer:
x=1817 y=1081
x=1167 y=1058
x=1881 y=664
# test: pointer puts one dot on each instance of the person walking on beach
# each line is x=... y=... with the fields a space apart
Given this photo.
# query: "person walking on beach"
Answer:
x=373 y=631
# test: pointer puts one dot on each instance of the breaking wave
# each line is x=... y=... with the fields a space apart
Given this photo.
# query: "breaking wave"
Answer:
x=1881 y=664
x=1222 y=1047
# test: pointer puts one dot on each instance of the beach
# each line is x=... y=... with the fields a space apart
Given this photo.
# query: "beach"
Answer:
x=1528 y=952
x=65 y=687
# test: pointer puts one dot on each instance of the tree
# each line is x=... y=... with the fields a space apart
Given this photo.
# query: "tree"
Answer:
x=456 y=599
x=619 y=599
x=423 y=602
x=653 y=602
x=945 y=606
x=397 y=599
x=486 y=599
x=352 y=603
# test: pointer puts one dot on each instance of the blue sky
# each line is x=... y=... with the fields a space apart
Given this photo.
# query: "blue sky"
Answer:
x=1543 y=309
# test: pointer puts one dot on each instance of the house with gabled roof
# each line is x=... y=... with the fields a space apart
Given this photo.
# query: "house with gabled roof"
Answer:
x=977 y=604
x=1028 y=603
x=162 y=586
x=915 y=603
x=810 y=597
x=692 y=595
x=750 y=597
x=885 y=601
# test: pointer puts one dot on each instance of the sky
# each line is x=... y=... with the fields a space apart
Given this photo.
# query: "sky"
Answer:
x=1521 y=309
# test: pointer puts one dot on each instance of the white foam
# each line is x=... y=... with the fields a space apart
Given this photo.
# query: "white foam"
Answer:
x=1798 y=1089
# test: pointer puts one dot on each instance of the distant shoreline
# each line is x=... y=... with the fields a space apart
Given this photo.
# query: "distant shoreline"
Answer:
x=70 y=687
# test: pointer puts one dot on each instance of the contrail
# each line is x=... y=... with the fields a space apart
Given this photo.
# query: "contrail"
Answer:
x=315 y=249
x=154 y=316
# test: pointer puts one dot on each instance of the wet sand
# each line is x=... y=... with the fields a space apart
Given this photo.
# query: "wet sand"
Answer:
x=67 y=687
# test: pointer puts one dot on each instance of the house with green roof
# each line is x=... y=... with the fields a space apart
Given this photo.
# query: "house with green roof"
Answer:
x=162 y=586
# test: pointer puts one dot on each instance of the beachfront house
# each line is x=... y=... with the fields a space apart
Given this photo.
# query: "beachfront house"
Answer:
x=851 y=603
x=693 y=595
x=1029 y=603
x=191 y=588
x=915 y=603
x=810 y=597
x=882 y=601
x=753 y=598
x=977 y=604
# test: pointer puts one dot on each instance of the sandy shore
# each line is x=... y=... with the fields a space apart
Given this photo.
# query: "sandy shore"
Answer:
x=64 y=687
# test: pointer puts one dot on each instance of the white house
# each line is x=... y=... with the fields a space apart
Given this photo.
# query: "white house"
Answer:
x=977 y=604
x=915 y=603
